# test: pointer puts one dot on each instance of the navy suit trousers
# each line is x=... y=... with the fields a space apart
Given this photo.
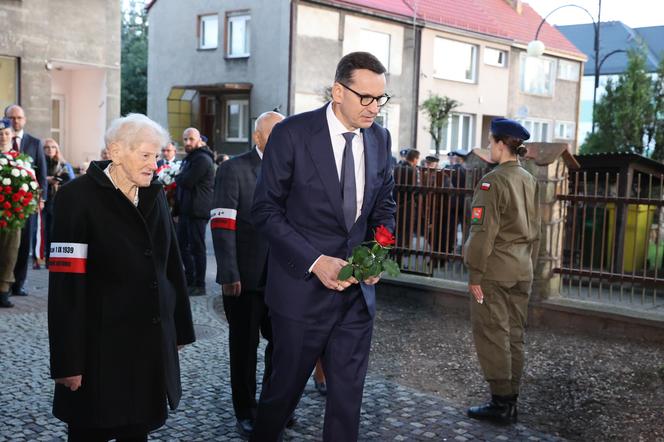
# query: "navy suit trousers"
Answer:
x=191 y=238
x=343 y=339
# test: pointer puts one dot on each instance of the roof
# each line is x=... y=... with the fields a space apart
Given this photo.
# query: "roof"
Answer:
x=615 y=35
x=489 y=17
x=620 y=160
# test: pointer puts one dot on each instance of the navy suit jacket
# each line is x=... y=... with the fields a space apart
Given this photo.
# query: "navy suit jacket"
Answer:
x=297 y=207
x=35 y=148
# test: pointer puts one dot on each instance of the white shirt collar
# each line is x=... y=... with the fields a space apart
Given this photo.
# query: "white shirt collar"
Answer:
x=107 y=171
x=258 y=151
x=19 y=134
x=336 y=126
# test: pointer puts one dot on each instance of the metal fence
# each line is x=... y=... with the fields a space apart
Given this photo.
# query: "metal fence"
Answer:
x=433 y=209
x=613 y=240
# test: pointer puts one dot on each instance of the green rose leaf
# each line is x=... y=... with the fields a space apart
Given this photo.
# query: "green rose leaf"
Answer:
x=346 y=272
x=391 y=267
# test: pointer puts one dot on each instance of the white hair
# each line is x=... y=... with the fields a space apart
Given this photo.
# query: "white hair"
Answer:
x=134 y=129
x=265 y=116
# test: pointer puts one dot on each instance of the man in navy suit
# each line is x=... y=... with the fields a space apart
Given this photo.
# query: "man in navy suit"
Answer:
x=325 y=185
x=27 y=144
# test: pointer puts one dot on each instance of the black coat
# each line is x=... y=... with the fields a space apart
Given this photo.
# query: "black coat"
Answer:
x=35 y=149
x=195 y=184
x=241 y=252
x=117 y=311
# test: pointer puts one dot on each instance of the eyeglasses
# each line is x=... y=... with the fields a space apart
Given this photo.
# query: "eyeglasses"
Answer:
x=366 y=100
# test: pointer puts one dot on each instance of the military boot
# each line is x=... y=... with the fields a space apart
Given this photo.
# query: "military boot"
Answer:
x=4 y=300
x=499 y=410
x=513 y=411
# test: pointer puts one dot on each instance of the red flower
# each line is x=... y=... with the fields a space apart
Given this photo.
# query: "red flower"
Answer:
x=21 y=192
x=21 y=216
x=3 y=223
x=7 y=205
x=2 y=198
x=25 y=201
x=29 y=196
x=13 y=153
x=18 y=209
x=8 y=214
x=8 y=189
x=16 y=197
x=384 y=237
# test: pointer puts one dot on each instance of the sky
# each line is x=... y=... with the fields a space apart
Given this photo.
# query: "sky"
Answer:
x=634 y=13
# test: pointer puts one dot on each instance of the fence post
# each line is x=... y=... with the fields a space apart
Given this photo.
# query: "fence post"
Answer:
x=550 y=163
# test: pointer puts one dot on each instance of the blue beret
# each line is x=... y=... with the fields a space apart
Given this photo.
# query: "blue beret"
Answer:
x=204 y=138
x=5 y=123
x=404 y=152
x=505 y=126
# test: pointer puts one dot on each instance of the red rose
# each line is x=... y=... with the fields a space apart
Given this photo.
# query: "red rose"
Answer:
x=8 y=189
x=18 y=209
x=7 y=205
x=29 y=196
x=8 y=214
x=16 y=197
x=21 y=192
x=21 y=216
x=2 y=198
x=13 y=153
x=384 y=237
x=3 y=223
x=25 y=201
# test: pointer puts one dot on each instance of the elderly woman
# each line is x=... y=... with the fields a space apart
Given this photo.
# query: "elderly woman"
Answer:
x=9 y=238
x=118 y=310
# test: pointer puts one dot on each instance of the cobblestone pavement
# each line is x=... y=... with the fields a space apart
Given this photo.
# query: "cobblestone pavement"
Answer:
x=389 y=411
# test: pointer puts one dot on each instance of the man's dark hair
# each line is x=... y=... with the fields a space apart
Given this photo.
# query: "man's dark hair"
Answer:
x=349 y=63
x=413 y=155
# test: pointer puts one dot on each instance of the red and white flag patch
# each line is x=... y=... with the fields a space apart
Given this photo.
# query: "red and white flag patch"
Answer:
x=485 y=186
x=68 y=257
x=223 y=219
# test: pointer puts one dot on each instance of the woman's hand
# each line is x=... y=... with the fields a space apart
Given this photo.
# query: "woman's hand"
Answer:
x=476 y=291
x=71 y=382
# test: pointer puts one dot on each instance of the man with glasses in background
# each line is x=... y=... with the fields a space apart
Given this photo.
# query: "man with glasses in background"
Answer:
x=325 y=185
x=167 y=155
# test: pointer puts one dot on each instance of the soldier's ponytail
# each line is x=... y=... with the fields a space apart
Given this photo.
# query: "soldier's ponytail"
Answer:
x=514 y=144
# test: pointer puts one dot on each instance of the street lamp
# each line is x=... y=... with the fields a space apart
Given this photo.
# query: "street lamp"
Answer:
x=536 y=47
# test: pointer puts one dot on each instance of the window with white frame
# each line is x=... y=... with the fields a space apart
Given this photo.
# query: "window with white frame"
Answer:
x=568 y=70
x=208 y=31
x=237 y=120
x=457 y=134
x=238 y=35
x=495 y=57
x=454 y=60
x=564 y=130
x=540 y=130
x=376 y=43
x=537 y=75
x=381 y=118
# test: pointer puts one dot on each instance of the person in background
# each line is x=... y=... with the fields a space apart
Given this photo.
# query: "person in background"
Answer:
x=104 y=155
x=116 y=321
x=501 y=255
x=25 y=143
x=167 y=155
x=431 y=162
x=194 y=192
x=59 y=172
x=9 y=238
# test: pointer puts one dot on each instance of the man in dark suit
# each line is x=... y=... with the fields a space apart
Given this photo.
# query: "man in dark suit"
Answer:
x=325 y=185
x=241 y=268
x=167 y=155
x=29 y=145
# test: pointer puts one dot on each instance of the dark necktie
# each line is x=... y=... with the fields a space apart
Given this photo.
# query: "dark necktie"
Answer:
x=348 y=193
x=15 y=144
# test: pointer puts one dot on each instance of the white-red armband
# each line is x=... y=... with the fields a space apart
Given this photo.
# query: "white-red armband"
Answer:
x=223 y=219
x=68 y=257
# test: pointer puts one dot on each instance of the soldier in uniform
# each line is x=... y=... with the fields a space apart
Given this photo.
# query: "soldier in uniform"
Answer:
x=500 y=254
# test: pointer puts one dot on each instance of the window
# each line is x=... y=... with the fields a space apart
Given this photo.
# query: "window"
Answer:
x=238 y=35
x=495 y=57
x=564 y=130
x=381 y=118
x=457 y=134
x=378 y=44
x=57 y=118
x=568 y=70
x=8 y=81
x=178 y=105
x=537 y=75
x=208 y=31
x=453 y=60
x=539 y=130
x=237 y=120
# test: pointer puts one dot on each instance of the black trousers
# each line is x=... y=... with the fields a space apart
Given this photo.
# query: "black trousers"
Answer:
x=122 y=434
x=343 y=339
x=248 y=318
x=191 y=238
x=21 y=266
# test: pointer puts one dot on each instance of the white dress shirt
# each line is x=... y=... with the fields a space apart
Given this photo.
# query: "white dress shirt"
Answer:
x=259 y=152
x=337 y=129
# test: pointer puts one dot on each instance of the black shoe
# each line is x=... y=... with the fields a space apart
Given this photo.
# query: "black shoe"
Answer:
x=19 y=292
x=196 y=291
x=4 y=300
x=244 y=427
x=321 y=387
x=501 y=409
